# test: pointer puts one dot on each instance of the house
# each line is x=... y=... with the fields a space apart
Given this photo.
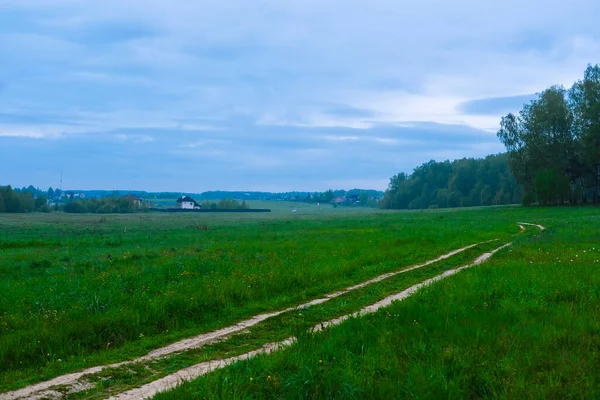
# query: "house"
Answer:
x=186 y=202
x=338 y=200
x=73 y=195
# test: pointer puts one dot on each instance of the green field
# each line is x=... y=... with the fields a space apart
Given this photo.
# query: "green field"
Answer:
x=83 y=290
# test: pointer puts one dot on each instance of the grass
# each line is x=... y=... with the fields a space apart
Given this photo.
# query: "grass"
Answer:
x=82 y=290
x=274 y=329
x=524 y=325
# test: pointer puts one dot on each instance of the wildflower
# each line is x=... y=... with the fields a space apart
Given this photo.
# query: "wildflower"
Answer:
x=141 y=335
x=251 y=379
x=320 y=361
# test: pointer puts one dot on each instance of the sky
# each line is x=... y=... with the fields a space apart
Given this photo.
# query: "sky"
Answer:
x=270 y=95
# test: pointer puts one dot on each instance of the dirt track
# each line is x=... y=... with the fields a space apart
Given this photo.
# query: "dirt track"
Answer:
x=77 y=380
x=45 y=389
x=190 y=373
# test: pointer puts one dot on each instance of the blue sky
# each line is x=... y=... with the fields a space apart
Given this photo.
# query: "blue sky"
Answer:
x=269 y=95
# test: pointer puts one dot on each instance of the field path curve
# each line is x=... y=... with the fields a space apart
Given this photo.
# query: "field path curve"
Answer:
x=187 y=374
x=542 y=228
x=47 y=389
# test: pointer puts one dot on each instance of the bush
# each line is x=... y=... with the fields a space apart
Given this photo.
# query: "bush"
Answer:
x=75 y=208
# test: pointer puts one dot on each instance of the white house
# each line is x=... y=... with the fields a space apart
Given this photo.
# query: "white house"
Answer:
x=188 y=203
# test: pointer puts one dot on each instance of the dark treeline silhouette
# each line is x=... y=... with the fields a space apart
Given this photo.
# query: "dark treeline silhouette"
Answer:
x=225 y=204
x=105 y=205
x=16 y=202
x=554 y=143
x=461 y=183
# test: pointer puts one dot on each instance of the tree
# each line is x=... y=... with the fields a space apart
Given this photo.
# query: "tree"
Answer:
x=442 y=198
x=486 y=196
x=12 y=201
x=75 y=207
x=40 y=201
x=540 y=138
x=364 y=199
x=327 y=196
x=50 y=193
x=584 y=97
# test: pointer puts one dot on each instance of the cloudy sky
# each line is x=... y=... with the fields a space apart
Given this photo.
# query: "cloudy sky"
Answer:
x=194 y=95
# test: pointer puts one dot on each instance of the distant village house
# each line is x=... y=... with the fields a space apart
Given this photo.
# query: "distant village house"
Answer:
x=338 y=200
x=186 y=202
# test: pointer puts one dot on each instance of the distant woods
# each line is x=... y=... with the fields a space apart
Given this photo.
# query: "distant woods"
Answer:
x=554 y=143
x=30 y=199
x=106 y=205
x=225 y=204
x=461 y=183
x=12 y=201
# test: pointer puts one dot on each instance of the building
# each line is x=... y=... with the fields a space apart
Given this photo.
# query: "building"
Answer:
x=187 y=203
x=338 y=200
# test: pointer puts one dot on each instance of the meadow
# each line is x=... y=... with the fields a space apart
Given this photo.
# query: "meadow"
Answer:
x=86 y=290
x=525 y=325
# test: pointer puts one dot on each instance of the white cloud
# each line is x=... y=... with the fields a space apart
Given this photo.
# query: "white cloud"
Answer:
x=35 y=131
x=341 y=138
x=134 y=138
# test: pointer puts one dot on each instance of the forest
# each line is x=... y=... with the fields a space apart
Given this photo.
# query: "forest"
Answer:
x=462 y=183
x=12 y=201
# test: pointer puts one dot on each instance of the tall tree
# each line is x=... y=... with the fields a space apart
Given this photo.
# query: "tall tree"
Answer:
x=540 y=141
x=584 y=98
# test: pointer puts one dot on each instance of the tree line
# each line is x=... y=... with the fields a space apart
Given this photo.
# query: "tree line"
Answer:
x=12 y=201
x=225 y=204
x=105 y=205
x=460 y=183
x=554 y=143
